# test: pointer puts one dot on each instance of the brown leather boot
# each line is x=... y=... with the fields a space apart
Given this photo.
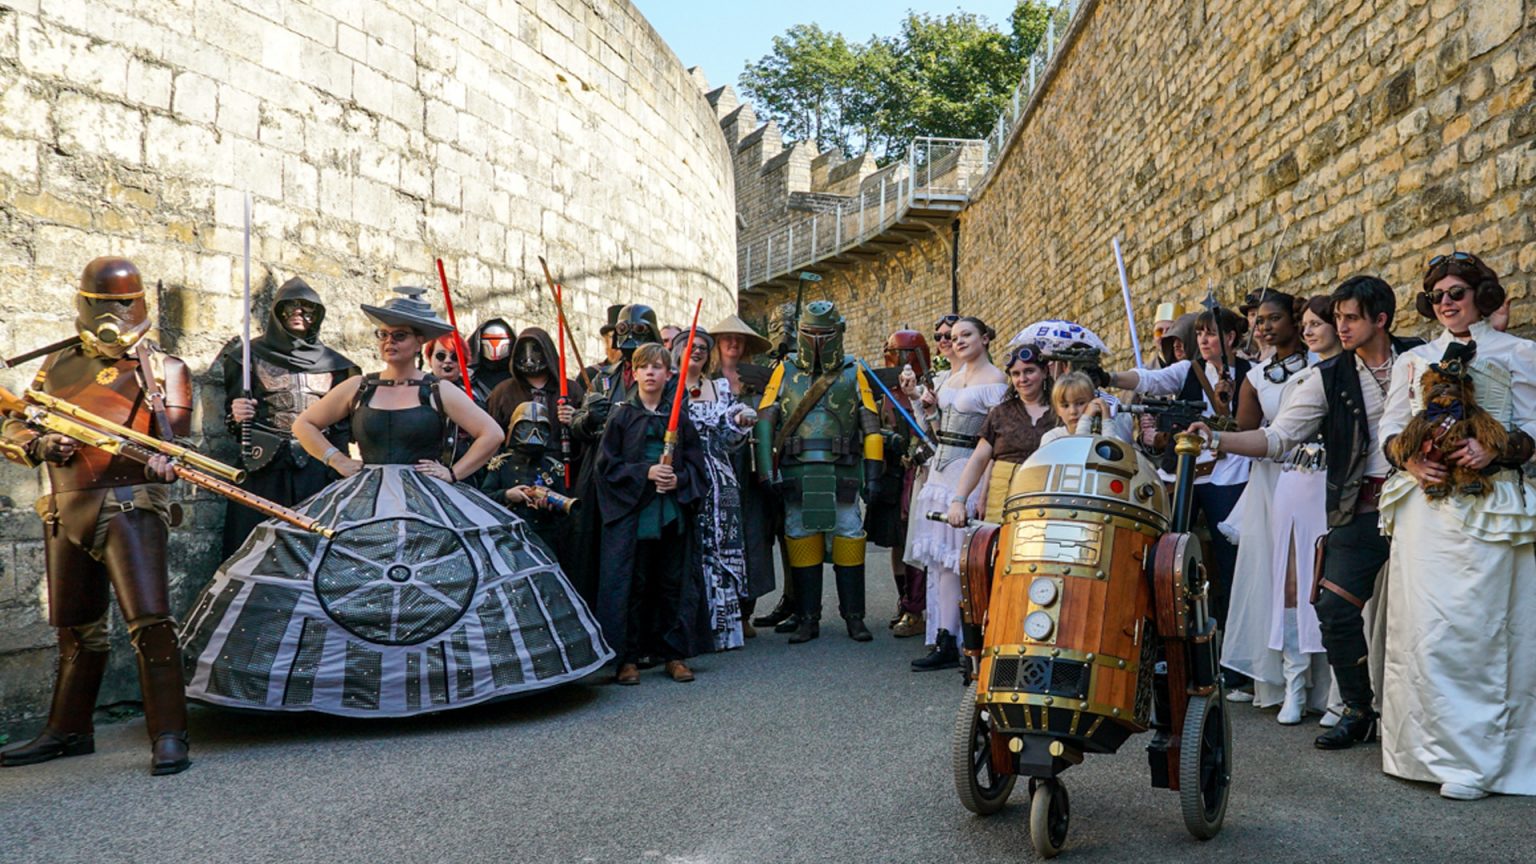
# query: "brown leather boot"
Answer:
x=69 y=731
x=165 y=696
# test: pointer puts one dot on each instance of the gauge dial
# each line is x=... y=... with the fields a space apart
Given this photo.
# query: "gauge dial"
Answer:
x=1038 y=626
x=1042 y=592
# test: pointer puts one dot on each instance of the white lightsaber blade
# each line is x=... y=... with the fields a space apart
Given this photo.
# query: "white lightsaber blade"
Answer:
x=1125 y=292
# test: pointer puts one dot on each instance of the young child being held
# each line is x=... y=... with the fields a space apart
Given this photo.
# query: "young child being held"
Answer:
x=1077 y=405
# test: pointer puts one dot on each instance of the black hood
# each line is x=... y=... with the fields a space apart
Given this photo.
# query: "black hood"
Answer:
x=480 y=364
x=546 y=345
x=298 y=353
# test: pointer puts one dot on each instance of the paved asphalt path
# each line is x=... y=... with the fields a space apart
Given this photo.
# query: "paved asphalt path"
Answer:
x=777 y=753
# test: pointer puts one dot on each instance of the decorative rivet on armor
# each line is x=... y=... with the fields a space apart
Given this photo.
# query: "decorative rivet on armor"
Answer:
x=1015 y=745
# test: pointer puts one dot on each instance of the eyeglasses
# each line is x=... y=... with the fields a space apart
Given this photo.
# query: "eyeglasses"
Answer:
x=443 y=356
x=393 y=335
x=1464 y=257
x=1455 y=292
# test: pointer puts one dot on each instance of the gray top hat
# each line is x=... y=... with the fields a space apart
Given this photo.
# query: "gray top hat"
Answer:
x=408 y=310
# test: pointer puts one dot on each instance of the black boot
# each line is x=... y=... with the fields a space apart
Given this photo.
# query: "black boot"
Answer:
x=69 y=731
x=1358 y=724
x=945 y=655
x=808 y=592
x=165 y=698
x=850 y=599
x=781 y=612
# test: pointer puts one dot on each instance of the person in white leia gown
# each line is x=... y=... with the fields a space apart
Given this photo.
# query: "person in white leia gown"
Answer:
x=1459 y=689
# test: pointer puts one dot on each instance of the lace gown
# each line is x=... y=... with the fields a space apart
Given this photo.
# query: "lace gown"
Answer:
x=935 y=545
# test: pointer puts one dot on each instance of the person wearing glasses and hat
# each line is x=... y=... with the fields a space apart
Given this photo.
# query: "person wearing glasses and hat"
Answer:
x=106 y=518
x=1459 y=685
x=428 y=596
x=291 y=368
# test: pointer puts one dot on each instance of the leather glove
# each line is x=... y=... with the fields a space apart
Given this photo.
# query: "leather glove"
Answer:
x=595 y=407
x=874 y=473
x=1097 y=375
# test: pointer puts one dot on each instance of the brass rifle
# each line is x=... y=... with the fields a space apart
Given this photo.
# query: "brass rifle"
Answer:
x=47 y=413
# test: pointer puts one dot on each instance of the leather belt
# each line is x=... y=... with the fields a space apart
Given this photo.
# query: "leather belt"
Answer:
x=837 y=446
x=949 y=439
x=1370 y=494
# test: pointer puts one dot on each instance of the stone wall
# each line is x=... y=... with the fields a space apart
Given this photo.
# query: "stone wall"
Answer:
x=373 y=136
x=1370 y=136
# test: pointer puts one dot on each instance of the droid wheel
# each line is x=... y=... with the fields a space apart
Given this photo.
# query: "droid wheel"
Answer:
x=1050 y=813
x=982 y=788
x=1205 y=764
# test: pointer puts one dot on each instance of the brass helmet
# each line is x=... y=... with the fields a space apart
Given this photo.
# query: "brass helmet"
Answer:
x=109 y=308
x=530 y=427
x=819 y=343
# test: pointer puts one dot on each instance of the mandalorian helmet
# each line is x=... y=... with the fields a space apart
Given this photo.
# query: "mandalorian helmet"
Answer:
x=636 y=326
x=494 y=342
x=530 y=427
x=109 y=309
x=819 y=347
x=907 y=346
x=530 y=359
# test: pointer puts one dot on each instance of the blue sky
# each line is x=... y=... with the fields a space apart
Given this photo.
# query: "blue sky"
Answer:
x=723 y=37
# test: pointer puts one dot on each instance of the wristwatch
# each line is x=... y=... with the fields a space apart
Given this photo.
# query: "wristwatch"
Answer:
x=1215 y=441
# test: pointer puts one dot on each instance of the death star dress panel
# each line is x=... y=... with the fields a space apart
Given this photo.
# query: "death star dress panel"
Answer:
x=430 y=596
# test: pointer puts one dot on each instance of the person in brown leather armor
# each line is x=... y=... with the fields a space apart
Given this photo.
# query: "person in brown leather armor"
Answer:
x=106 y=518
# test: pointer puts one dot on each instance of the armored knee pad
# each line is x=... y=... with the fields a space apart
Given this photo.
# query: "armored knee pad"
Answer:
x=808 y=551
x=154 y=640
x=91 y=637
x=848 y=551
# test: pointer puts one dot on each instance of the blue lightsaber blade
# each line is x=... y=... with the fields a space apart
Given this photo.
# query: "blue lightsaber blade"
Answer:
x=896 y=404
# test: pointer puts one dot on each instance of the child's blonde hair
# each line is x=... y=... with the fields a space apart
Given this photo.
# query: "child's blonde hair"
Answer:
x=1070 y=386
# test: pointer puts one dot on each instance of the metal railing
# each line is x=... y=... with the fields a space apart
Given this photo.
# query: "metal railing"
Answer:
x=938 y=173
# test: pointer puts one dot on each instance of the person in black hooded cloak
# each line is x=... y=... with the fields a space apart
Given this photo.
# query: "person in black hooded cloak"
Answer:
x=291 y=368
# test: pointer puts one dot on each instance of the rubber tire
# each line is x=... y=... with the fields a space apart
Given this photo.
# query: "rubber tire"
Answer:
x=1205 y=764
x=978 y=800
x=1050 y=815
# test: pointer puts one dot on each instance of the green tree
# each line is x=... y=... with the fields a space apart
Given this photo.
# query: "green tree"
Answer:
x=944 y=76
x=807 y=84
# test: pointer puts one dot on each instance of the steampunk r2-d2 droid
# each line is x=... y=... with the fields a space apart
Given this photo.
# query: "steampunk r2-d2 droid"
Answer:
x=1084 y=623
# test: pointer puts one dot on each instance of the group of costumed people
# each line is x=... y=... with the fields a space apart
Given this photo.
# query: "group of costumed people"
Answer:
x=468 y=526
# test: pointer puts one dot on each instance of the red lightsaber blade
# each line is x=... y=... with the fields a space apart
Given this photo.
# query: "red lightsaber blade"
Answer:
x=669 y=442
x=565 y=431
x=458 y=341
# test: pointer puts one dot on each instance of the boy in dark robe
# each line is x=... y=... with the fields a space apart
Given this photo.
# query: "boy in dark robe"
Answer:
x=650 y=599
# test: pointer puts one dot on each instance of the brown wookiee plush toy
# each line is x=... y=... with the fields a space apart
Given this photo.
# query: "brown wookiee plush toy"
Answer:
x=1450 y=416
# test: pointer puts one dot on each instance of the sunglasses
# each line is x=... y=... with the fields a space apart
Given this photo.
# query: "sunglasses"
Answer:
x=1455 y=292
x=1464 y=257
x=943 y=337
x=306 y=310
x=444 y=356
x=1279 y=371
x=393 y=335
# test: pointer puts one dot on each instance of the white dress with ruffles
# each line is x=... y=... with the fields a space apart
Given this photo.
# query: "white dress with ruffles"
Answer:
x=935 y=545
x=1459 y=689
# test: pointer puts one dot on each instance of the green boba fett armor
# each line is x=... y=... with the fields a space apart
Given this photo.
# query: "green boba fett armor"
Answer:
x=826 y=458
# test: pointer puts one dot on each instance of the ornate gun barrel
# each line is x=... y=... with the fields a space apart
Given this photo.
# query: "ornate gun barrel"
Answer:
x=554 y=500
x=175 y=451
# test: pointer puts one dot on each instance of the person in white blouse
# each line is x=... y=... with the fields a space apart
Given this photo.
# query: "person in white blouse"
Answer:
x=1459 y=686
